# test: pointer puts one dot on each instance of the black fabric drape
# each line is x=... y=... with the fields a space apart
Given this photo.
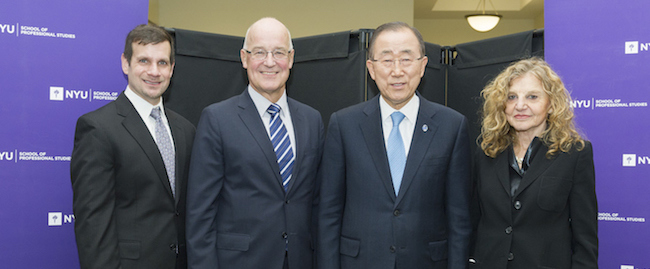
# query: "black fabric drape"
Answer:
x=329 y=71
x=477 y=63
x=208 y=70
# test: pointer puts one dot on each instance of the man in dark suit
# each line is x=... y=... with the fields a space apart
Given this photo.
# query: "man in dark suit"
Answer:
x=395 y=197
x=254 y=165
x=129 y=167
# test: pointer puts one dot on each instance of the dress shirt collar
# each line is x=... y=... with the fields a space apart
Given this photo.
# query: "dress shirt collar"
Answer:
x=142 y=106
x=262 y=104
x=410 y=110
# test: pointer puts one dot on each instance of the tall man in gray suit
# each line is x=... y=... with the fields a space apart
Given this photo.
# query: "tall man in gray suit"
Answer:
x=395 y=170
x=129 y=167
x=254 y=165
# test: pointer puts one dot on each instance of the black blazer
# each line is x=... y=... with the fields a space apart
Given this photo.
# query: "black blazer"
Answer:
x=126 y=216
x=551 y=222
x=238 y=214
x=363 y=224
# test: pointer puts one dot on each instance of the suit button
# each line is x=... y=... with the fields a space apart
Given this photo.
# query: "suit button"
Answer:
x=396 y=213
x=285 y=235
x=286 y=202
x=511 y=256
x=517 y=205
x=392 y=249
x=177 y=213
x=172 y=247
x=509 y=230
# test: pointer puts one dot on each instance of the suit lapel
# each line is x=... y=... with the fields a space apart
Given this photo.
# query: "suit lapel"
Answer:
x=301 y=134
x=502 y=170
x=420 y=144
x=539 y=165
x=250 y=117
x=181 y=151
x=373 y=135
x=135 y=126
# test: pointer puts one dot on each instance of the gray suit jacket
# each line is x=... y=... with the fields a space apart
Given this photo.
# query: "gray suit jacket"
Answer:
x=363 y=224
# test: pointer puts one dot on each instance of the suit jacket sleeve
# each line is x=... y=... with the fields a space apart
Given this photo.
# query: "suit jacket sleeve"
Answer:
x=584 y=210
x=458 y=194
x=205 y=181
x=93 y=184
x=332 y=198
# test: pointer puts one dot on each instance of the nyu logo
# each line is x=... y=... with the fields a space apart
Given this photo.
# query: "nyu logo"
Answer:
x=7 y=155
x=632 y=160
x=58 y=219
x=631 y=47
x=59 y=93
x=56 y=93
x=629 y=160
x=634 y=47
x=8 y=29
x=581 y=104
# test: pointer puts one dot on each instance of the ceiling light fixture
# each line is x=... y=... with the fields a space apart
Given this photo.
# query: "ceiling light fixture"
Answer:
x=483 y=22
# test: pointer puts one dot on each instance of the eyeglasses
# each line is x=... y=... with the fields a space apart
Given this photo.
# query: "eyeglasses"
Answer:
x=260 y=54
x=403 y=62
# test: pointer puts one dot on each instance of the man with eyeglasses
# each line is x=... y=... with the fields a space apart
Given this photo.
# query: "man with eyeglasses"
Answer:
x=253 y=170
x=395 y=173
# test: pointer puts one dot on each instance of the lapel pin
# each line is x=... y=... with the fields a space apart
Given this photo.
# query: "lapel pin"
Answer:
x=425 y=128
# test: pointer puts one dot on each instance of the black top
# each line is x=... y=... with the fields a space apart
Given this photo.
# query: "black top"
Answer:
x=516 y=173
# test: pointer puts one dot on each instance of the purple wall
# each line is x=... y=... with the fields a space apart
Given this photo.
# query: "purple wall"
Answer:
x=60 y=60
x=601 y=49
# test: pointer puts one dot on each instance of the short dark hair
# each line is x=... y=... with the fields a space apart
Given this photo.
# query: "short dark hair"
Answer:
x=395 y=26
x=145 y=34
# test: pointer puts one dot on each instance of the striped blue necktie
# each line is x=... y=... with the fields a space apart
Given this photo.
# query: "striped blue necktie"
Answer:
x=281 y=145
x=396 y=152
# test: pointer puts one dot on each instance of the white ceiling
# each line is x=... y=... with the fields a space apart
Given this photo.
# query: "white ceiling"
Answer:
x=457 y=9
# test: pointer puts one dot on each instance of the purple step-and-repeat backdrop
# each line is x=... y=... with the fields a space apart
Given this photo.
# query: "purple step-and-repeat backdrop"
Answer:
x=601 y=49
x=60 y=60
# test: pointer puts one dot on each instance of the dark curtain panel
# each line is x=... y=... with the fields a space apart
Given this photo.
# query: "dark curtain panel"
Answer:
x=208 y=70
x=328 y=72
x=477 y=63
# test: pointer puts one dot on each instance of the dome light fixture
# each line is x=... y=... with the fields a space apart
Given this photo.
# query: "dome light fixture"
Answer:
x=483 y=22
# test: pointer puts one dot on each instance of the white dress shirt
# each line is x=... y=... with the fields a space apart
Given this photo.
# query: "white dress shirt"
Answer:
x=262 y=104
x=406 y=127
x=144 y=110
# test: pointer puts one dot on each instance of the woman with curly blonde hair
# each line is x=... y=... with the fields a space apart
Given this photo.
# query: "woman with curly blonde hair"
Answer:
x=534 y=182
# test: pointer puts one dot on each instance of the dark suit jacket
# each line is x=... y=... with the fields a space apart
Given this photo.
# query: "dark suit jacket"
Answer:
x=362 y=224
x=126 y=216
x=551 y=222
x=239 y=215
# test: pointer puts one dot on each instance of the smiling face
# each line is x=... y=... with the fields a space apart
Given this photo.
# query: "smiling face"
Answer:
x=397 y=83
x=268 y=76
x=527 y=106
x=149 y=70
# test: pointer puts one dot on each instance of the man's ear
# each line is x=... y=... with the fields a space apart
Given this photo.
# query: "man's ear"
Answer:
x=125 y=65
x=243 y=55
x=371 y=69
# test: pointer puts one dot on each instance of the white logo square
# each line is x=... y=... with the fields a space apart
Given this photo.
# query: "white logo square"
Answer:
x=54 y=218
x=632 y=47
x=627 y=266
x=56 y=93
x=629 y=160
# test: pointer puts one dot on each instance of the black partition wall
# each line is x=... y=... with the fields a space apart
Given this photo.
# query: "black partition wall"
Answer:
x=329 y=71
x=477 y=63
